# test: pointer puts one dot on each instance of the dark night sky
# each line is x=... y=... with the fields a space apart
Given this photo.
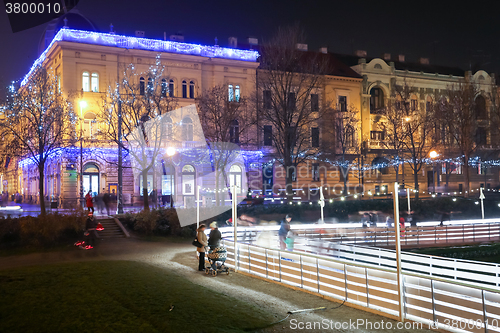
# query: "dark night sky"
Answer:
x=448 y=32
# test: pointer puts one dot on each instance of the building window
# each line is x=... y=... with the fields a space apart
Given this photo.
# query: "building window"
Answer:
x=376 y=100
x=95 y=82
x=413 y=104
x=163 y=87
x=171 y=88
x=168 y=128
x=377 y=135
x=480 y=106
x=343 y=103
x=191 y=89
x=187 y=129
x=314 y=103
x=89 y=127
x=267 y=99
x=349 y=136
x=236 y=93
x=234 y=132
x=268 y=135
x=381 y=164
x=315 y=172
x=86 y=81
x=141 y=86
x=235 y=177
x=315 y=137
x=150 y=86
x=291 y=101
x=481 y=136
x=230 y=93
x=184 y=89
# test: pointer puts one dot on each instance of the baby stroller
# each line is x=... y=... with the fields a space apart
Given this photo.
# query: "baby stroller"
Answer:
x=217 y=257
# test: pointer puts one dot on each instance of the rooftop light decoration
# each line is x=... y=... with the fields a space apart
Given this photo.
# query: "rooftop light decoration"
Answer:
x=128 y=42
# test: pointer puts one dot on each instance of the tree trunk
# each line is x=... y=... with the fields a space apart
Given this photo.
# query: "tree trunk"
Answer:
x=415 y=179
x=467 y=176
x=41 y=173
x=289 y=183
x=145 y=189
x=217 y=183
x=345 y=178
x=396 y=167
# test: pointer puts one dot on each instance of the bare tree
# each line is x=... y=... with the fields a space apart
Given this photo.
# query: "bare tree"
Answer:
x=459 y=112
x=286 y=82
x=417 y=129
x=144 y=100
x=39 y=122
x=226 y=123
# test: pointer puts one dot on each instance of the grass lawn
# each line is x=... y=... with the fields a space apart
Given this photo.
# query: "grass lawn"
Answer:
x=116 y=296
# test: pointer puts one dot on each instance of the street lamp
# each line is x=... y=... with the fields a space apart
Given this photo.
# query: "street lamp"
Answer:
x=83 y=104
x=171 y=152
x=433 y=154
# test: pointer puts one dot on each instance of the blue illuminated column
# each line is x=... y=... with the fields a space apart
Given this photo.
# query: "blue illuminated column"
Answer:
x=83 y=104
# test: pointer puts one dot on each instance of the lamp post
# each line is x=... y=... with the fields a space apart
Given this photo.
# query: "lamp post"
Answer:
x=83 y=104
x=171 y=152
x=433 y=154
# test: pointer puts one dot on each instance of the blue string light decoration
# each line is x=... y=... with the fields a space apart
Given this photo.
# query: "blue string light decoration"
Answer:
x=128 y=42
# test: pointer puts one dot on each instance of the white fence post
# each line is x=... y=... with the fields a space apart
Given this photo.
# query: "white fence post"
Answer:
x=398 y=252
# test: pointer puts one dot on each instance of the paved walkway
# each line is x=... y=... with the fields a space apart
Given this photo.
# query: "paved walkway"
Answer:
x=181 y=258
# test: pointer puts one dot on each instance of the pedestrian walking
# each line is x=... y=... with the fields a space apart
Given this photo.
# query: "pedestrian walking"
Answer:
x=89 y=202
x=202 y=238
x=283 y=232
x=106 y=199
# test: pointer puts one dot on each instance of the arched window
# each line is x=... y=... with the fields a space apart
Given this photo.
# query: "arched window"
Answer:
x=141 y=86
x=230 y=93
x=237 y=93
x=188 y=177
x=150 y=86
x=86 y=81
x=89 y=127
x=480 y=105
x=381 y=164
x=95 y=82
x=376 y=100
x=235 y=177
x=234 y=132
x=187 y=129
x=428 y=104
x=184 y=89
x=413 y=103
x=191 y=89
x=163 y=87
x=171 y=88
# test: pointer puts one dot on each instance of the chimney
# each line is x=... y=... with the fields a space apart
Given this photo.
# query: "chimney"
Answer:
x=177 y=37
x=301 y=47
x=139 y=33
x=360 y=53
x=111 y=31
x=252 y=41
x=233 y=42
x=424 y=61
x=401 y=58
x=323 y=49
x=386 y=56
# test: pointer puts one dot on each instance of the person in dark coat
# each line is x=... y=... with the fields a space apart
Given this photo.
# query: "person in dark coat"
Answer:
x=284 y=229
x=215 y=236
x=90 y=226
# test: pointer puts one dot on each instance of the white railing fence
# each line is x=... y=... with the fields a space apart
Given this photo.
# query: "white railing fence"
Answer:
x=437 y=302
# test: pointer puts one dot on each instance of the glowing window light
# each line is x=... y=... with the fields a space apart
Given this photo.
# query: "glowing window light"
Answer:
x=455 y=199
x=128 y=42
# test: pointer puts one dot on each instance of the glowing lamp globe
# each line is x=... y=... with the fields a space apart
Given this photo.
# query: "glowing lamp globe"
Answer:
x=170 y=151
x=433 y=154
x=83 y=104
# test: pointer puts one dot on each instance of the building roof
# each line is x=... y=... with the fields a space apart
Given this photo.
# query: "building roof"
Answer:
x=353 y=60
x=128 y=42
